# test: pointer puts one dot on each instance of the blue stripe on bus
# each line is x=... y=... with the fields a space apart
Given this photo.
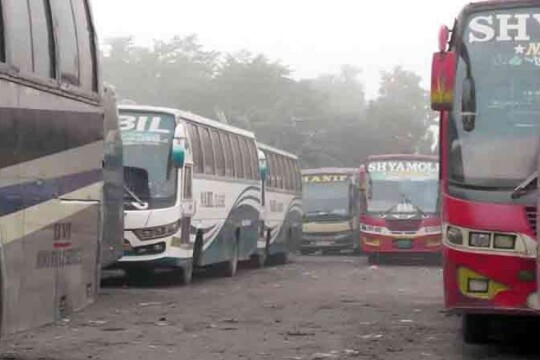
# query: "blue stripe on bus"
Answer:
x=18 y=197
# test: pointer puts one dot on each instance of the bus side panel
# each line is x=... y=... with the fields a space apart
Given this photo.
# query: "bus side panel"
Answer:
x=50 y=272
x=229 y=209
x=50 y=187
x=284 y=222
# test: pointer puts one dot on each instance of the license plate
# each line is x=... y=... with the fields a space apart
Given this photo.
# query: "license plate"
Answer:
x=403 y=244
x=324 y=243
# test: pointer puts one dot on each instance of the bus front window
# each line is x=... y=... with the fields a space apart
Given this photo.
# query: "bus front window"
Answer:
x=330 y=199
x=149 y=173
x=500 y=151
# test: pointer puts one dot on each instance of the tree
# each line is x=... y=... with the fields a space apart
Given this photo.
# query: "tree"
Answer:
x=400 y=118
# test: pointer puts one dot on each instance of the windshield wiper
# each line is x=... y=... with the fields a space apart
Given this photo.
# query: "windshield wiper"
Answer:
x=138 y=203
x=529 y=184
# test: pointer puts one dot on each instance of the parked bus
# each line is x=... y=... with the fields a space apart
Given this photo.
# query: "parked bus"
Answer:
x=193 y=196
x=281 y=204
x=399 y=202
x=486 y=87
x=60 y=163
x=331 y=204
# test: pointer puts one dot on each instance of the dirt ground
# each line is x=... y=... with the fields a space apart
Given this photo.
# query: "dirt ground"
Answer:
x=317 y=307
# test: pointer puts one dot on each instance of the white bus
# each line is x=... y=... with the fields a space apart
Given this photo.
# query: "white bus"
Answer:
x=60 y=163
x=281 y=204
x=193 y=192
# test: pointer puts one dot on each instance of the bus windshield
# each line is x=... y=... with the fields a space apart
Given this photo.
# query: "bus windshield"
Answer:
x=420 y=194
x=148 y=171
x=394 y=184
x=326 y=199
x=502 y=148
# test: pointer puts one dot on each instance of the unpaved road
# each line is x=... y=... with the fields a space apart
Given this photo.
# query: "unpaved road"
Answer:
x=313 y=308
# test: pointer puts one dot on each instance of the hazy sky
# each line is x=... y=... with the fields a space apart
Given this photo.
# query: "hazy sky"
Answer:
x=311 y=36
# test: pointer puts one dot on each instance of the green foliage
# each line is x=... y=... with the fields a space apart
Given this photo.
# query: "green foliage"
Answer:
x=326 y=121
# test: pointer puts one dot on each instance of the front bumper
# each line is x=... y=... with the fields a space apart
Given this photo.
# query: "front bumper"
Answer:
x=328 y=242
x=510 y=282
x=424 y=244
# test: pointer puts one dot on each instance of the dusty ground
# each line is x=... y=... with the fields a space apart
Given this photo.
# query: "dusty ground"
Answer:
x=314 y=308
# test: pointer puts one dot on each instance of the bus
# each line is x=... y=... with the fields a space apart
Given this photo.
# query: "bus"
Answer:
x=193 y=192
x=60 y=163
x=331 y=205
x=485 y=84
x=399 y=207
x=281 y=205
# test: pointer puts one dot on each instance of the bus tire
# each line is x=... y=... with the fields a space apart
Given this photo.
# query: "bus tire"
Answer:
x=231 y=267
x=475 y=328
x=373 y=259
x=198 y=250
x=187 y=273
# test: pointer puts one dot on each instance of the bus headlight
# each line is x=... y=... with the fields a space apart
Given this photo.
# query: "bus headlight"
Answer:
x=506 y=242
x=454 y=235
x=372 y=228
x=478 y=285
x=157 y=232
x=432 y=229
x=478 y=239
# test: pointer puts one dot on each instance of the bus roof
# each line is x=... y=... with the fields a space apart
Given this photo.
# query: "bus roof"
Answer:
x=330 y=170
x=496 y=4
x=269 y=148
x=403 y=157
x=189 y=116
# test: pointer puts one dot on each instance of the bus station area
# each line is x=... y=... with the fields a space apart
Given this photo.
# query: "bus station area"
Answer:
x=161 y=199
x=316 y=307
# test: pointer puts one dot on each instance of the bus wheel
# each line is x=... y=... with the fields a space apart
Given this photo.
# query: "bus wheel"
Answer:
x=187 y=274
x=232 y=265
x=475 y=328
x=373 y=259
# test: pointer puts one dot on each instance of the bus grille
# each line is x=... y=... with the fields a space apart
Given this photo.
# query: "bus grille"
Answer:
x=531 y=216
x=403 y=225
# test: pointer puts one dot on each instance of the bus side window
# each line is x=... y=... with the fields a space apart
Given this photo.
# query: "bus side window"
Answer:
x=188 y=188
x=290 y=174
x=18 y=34
x=67 y=42
x=281 y=172
x=246 y=158
x=197 y=149
x=208 y=151
x=229 y=157
x=87 y=50
x=42 y=39
x=254 y=158
x=270 y=170
x=238 y=159
x=218 y=153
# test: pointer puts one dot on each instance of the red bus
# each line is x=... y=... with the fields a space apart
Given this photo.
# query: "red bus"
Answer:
x=399 y=206
x=486 y=85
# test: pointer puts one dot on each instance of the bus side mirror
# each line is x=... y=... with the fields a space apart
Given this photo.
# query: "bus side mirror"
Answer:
x=263 y=170
x=263 y=165
x=178 y=151
x=442 y=81
x=443 y=71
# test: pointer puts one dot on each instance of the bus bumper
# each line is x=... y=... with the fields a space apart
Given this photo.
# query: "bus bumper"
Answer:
x=424 y=244
x=314 y=242
x=489 y=283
